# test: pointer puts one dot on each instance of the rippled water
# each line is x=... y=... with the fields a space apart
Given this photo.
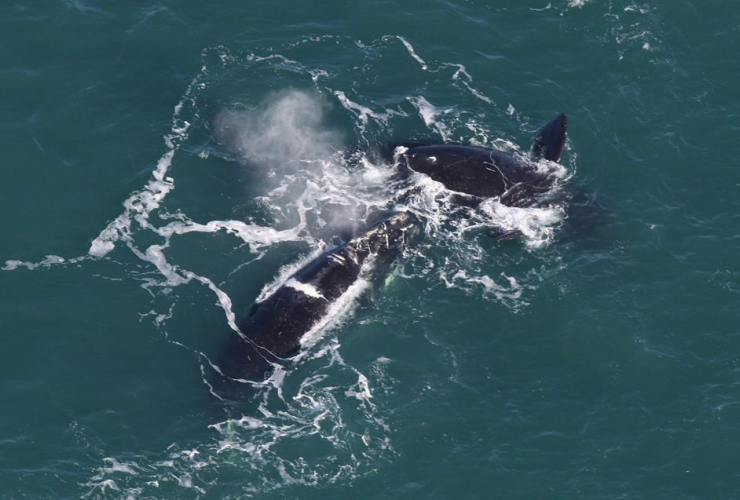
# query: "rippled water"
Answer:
x=167 y=164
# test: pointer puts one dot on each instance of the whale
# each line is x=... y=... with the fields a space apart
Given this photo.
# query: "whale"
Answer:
x=479 y=173
x=272 y=332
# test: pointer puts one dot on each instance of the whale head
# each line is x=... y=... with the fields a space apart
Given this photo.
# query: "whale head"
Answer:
x=389 y=235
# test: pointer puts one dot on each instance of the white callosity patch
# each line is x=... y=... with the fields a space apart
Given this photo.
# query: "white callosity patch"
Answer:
x=305 y=288
x=338 y=259
x=285 y=272
x=339 y=311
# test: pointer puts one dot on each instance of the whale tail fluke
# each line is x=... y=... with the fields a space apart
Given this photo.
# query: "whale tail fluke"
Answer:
x=550 y=140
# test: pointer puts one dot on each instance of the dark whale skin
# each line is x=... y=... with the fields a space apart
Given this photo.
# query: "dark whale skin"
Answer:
x=274 y=327
x=488 y=173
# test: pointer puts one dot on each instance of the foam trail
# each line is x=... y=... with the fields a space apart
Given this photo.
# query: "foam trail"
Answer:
x=141 y=203
x=49 y=261
x=255 y=236
x=510 y=294
x=460 y=71
x=361 y=111
x=429 y=114
x=477 y=93
x=467 y=81
x=412 y=52
x=176 y=277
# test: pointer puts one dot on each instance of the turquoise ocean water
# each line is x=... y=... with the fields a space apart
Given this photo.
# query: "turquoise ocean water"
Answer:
x=164 y=163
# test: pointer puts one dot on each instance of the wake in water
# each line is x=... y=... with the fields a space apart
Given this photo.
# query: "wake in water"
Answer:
x=313 y=192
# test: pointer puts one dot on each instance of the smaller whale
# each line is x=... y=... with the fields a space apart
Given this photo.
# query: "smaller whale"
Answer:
x=486 y=173
x=274 y=328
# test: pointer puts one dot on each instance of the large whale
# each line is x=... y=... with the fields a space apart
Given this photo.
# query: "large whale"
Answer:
x=485 y=173
x=273 y=329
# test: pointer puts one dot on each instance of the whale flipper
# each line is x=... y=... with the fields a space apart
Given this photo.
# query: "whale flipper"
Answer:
x=549 y=141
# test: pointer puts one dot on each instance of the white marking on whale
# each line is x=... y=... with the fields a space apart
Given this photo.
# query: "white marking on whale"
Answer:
x=305 y=288
x=338 y=259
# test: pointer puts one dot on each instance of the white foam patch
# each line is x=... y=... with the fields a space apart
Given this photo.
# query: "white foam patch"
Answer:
x=552 y=169
x=376 y=175
x=361 y=391
x=506 y=146
x=536 y=224
x=480 y=133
